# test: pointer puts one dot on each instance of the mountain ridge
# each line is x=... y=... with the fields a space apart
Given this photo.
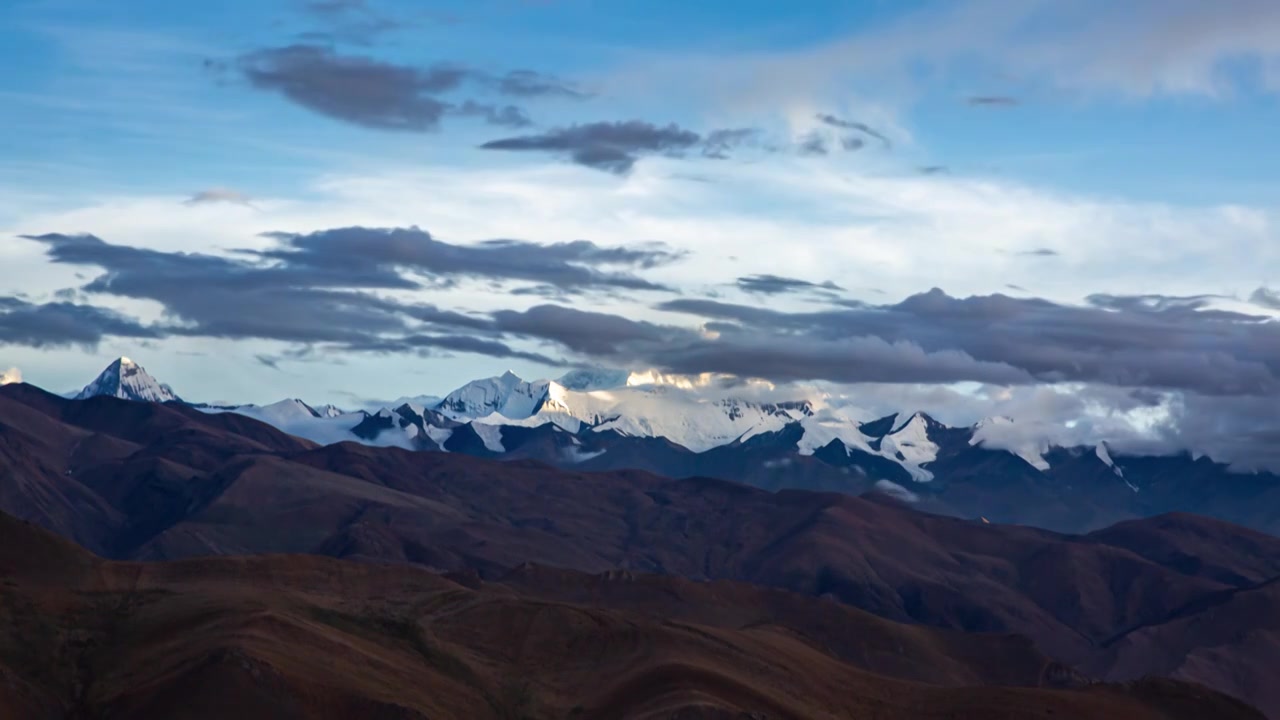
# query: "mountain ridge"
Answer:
x=147 y=481
x=963 y=471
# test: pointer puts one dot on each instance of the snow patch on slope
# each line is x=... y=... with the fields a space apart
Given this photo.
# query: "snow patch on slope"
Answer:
x=298 y=419
x=1104 y=454
x=912 y=441
x=490 y=435
x=821 y=429
x=439 y=435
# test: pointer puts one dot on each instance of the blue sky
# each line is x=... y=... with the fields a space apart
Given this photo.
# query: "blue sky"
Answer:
x=1055 y=152
x=93 y=86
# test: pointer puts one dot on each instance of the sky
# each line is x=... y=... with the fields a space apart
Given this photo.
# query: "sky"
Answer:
x=1061 y=210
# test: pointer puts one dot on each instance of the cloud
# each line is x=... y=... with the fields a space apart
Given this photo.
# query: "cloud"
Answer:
x=63 y=324
x=739 y=351
x=812 y=145
x=528 y=83
x=455 y=343
x=570 y=266
x=318 y=288
x=852 y=143
x=992 y=100
x=719 y=143
x=616 y=146
x=589 y=333
x=354 y=89
x=894 y=490
x=1039 y=252
x=1153 y=341
x=10 y=376
x=336 y=7
x=776 y=285
x=1266 y=297
x=833 y=121
x=504 y=115
x=381 y=95
x=219 y=195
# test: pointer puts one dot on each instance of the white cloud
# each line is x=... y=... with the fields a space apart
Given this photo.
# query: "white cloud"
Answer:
x=899 y=234
x=12 y=375
x=1137 y=48
x=816 y=220
x=894 y=490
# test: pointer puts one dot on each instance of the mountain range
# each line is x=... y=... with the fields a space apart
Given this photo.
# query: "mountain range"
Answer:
x=603 y=420
x=316 y=638
x=593 y=594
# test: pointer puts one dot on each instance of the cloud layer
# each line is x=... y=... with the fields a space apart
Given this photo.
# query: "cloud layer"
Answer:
x=615 y=146
x=383 y=95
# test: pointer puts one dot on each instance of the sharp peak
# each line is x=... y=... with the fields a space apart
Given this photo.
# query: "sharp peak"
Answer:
x=903 y=419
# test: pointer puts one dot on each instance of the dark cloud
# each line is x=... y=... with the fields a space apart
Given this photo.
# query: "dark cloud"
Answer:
x=350 y=21
x=1266 y=297
x=320 y=288
x=862 y=127
x=852 y=143
x=1172 y=343
x=589 y=333
x=727 y=348
x=719 y=143
x=219 y=195
x=616 y=146
x=373 y=252
x=992 y=100
x=812 y=145
x=336 y=7
x=454 y=343
x=528 y=83
x=504 y=115
x=1039 y=252
x=382 y=95
x=354 y=89
x=777 y=285
x=62 y=324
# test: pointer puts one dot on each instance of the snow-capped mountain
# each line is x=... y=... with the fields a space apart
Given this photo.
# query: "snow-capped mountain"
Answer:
x=506 y=395
x=324 y=424
x=629 y=404
x=127 y=380
x=602 y=418
x=773 y=438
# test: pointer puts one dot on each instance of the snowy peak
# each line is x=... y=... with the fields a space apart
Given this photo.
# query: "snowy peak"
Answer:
x=911 y=442
x=128 y=380
x=918 y=419
x=507 y=395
